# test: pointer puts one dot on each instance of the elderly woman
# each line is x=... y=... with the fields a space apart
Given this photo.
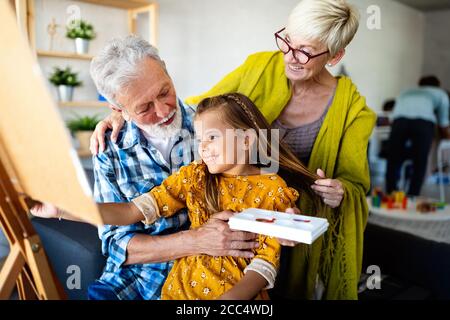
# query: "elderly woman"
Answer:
x=327 y=123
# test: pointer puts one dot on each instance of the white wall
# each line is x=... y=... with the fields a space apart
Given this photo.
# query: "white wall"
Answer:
x=437 y=46
x=384 y=62
x=202 y=40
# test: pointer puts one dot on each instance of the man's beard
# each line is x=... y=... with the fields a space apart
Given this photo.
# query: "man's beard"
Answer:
x=164 y=131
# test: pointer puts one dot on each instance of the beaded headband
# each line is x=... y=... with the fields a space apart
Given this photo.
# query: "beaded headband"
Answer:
x=241 y=104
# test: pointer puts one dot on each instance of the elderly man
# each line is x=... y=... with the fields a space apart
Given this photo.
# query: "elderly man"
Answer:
x=154 y=143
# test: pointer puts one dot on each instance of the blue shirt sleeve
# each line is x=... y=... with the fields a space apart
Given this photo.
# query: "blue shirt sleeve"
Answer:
x=115 y=239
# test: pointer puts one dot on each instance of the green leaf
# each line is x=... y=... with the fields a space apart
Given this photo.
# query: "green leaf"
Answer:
x=64 y=77
x=80 y=29
x=85 y=123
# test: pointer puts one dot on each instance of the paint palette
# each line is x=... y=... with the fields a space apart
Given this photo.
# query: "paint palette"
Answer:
x=294 y=227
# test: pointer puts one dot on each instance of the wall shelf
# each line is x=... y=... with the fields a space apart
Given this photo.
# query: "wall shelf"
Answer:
x=88 y=104
x=135 y=10
x=64 y=55
x=124 y=4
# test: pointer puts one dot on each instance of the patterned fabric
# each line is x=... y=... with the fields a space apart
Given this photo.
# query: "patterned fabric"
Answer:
x=124 y=171
x=207 y=277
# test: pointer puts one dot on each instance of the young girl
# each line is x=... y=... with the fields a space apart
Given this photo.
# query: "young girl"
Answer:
x=224 y=179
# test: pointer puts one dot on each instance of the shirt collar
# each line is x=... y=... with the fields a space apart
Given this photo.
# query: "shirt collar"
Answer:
x=131 y=135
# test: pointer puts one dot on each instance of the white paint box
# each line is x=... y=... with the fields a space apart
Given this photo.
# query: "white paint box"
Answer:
x=294 y=227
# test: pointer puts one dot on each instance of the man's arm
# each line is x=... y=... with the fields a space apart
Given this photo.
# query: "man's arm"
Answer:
x=214 y=238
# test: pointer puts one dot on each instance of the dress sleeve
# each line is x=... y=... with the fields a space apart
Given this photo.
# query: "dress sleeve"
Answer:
x=285 y=198
x=168 y=198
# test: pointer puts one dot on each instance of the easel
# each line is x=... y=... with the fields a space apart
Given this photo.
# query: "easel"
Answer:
x=26 y=265
x=26 y=145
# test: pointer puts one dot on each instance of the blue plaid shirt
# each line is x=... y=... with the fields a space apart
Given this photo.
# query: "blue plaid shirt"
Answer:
x=124 y=171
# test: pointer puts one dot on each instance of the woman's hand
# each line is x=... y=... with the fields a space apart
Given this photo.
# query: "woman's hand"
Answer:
x=330 y=190
x=115 y=122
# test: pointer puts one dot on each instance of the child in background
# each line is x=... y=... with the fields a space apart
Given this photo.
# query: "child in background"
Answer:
x=224 y=180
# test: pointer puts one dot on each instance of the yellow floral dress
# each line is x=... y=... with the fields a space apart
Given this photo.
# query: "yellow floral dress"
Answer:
x=207 y=277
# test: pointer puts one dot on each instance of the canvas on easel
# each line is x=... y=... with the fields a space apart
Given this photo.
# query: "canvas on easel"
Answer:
x=36 y=160
x=32 y=132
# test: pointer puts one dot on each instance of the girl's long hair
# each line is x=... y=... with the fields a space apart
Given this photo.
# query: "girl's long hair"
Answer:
x=241 y=113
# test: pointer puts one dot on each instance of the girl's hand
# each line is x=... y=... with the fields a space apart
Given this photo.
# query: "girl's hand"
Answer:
x=330 y=190
x=45 y=210
x=115 y=122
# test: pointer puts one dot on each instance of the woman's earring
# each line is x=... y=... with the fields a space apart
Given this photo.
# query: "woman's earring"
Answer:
x=329 y=64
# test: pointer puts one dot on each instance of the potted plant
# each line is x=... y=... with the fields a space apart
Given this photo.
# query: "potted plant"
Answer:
x=65 y=80
x=82 y=32
x=82 y=128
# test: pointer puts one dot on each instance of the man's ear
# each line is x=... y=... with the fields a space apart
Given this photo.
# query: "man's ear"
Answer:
x=338 y=57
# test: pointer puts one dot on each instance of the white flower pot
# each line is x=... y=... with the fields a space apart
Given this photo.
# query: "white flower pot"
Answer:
x=81 y=46
x=65 y=93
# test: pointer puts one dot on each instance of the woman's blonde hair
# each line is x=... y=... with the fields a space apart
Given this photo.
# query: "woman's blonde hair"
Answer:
x=332 y=22
x=241 y=113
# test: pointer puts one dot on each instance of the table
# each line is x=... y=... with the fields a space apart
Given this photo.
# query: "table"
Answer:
x=431 y=226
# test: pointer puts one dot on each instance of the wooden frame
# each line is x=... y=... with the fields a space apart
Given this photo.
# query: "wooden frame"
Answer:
x=152 y=11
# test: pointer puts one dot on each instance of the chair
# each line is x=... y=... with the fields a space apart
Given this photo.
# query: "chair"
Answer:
x=71 y=244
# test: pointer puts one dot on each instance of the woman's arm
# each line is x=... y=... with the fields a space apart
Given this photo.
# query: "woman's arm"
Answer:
x=250 y=285
x=114 y=122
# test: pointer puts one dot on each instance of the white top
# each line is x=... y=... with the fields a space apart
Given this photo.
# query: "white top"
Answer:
x=163 y=145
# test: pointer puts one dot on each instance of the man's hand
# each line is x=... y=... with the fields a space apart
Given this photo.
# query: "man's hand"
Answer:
x=45 y=210
x=115 y=122
x=215 y=238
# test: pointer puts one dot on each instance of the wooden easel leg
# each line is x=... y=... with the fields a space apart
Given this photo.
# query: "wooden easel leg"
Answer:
x=25 y=286
x=40 y=269
x=10 y=271
x=26 y=249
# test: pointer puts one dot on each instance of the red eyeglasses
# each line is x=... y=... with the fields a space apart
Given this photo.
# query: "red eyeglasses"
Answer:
x=300 y=55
